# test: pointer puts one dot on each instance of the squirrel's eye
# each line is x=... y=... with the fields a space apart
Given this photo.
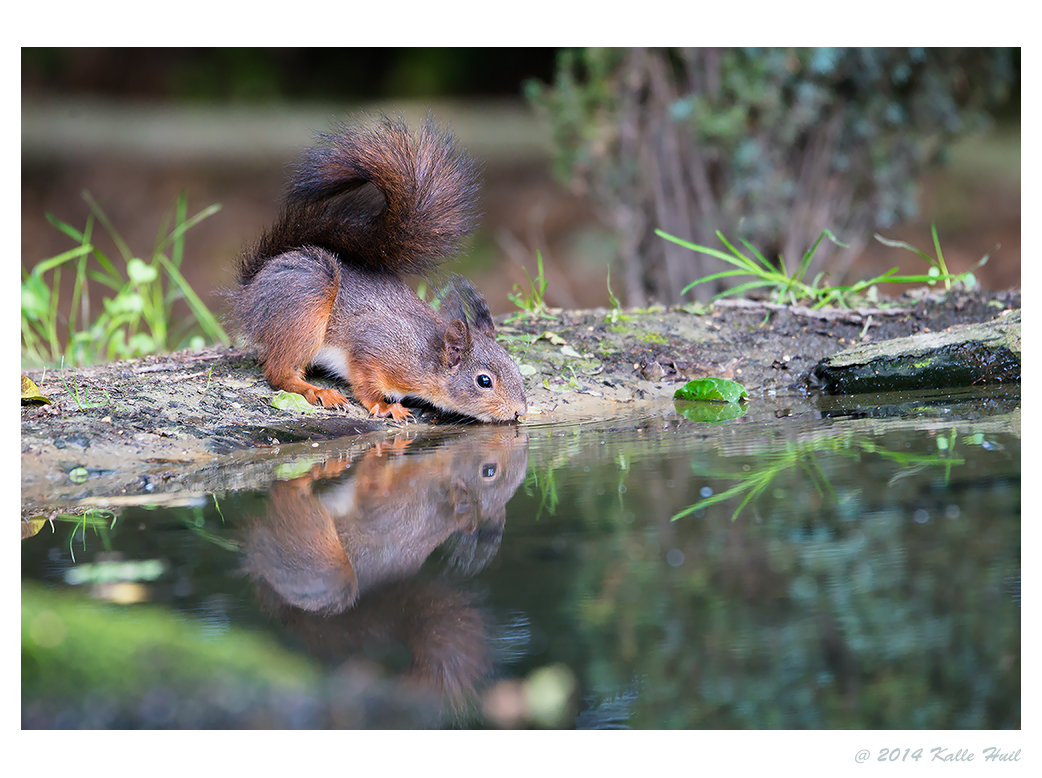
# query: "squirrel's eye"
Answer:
x=488 y=470
x=484 y=381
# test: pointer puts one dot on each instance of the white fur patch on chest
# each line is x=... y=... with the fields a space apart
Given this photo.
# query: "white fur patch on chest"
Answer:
x=334 y=360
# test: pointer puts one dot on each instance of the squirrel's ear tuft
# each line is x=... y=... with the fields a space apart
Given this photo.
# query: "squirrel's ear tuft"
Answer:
x=460 y=300
x=481 y=315
x=457 y=343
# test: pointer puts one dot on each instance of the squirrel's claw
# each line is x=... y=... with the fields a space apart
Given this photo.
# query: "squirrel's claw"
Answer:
x=395 y=410
x=328 y=398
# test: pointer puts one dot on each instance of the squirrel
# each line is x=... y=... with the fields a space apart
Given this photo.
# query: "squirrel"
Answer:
x=325 y=285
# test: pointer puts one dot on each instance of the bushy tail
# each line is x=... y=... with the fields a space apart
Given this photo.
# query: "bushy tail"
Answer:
x=422 y=207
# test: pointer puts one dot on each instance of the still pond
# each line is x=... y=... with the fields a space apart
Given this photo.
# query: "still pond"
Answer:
x=830 y=570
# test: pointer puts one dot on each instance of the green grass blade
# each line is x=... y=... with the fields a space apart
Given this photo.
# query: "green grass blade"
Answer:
x=859 y=286
x=121 y=244
x=808 y=255
x=741 y=288
x=748 y=498
x=937 y=247
x=736 y=252
x=84 y=238
x=178 y=231
x=713 y=277
x=719 y=497
x=762 y=259
x=922 y=279
x=33 y=343
x=180 y=213
x=52 y=316
x=68 y=229
x=155 y=312
x=817 y=476
x=48 y=264
x=707 y=251
x=900 y=244
x=214 y=331
x=115 y=277
x=940 y=257
x=829 y=234
x=159 y=309
x=79 y=287
x=104 y=279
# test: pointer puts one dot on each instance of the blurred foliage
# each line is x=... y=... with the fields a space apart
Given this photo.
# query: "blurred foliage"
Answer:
x=262 y=74
x=136 y=317
x=771 y=145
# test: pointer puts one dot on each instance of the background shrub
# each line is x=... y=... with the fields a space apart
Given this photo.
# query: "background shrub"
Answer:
x=770 y=145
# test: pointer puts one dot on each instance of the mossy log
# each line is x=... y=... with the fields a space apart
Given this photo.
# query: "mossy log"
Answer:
x=978 y=354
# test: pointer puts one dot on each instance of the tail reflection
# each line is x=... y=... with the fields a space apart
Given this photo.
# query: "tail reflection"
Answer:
x=337 y=555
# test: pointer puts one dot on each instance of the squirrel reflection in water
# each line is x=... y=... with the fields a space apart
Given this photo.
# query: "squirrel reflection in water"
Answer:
x=336 y=556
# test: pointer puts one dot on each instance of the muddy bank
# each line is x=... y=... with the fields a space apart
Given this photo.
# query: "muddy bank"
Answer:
x=152 y=429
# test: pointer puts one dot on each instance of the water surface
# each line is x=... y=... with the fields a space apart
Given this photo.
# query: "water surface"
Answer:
x=835 y=570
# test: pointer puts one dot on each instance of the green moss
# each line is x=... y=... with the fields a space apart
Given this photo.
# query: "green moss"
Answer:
x=71 y=645
x=652 y=337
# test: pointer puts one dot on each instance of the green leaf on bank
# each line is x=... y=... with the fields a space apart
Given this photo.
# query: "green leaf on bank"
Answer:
x=289 y=401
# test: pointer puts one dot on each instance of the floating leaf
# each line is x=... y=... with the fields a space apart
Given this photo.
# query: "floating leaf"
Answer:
x=712 y=390
x=31 y=392
x=290 y=401
x=78 y=475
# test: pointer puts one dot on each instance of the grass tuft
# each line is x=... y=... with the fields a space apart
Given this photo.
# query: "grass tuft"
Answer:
x=135 y=317
x=532 y=300
x=793 y=288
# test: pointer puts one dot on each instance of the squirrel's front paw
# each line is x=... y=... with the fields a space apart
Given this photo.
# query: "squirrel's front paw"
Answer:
x=327 y=398
x=395 y=410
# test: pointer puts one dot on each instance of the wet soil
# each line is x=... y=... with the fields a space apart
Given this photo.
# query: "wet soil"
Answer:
x=172 y=427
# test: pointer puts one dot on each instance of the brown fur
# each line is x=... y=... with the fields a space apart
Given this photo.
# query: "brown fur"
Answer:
x=325 y=284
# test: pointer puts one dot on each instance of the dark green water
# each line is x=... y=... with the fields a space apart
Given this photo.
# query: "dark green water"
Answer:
x=645 y=573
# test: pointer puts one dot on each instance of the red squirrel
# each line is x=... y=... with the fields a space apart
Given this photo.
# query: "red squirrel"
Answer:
x=325 y=285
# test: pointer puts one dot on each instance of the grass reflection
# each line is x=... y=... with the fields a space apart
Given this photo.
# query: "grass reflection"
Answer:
x=801 y=456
